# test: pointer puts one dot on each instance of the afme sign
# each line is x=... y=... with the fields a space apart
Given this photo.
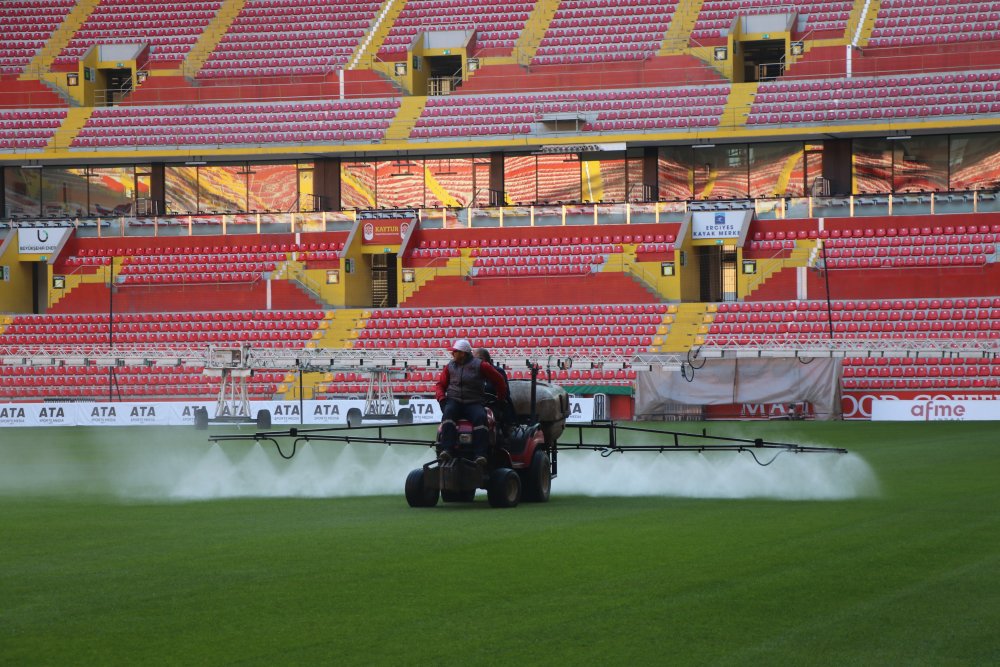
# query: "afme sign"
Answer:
x=290 y=413
x=40 y=240
x=935 y=409
x=921 y=406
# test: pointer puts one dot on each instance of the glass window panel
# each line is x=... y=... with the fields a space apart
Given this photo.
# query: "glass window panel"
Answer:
x=720 y=172
x=22 y=192
x=482 y=174
x=776 y=170
x=974 y=160
x=272 y=187
x=603 y=180
x=674 y=173
x=181 y=189
x=357 y=184
x=306 y=201
x=872 y=166
x=814 y=167
x=112 y=190
x=400 y=183
x=143 y=187
x=64 y=192
x=920 y=164
x=558 y=178
x=222 y=188
x=634 y=170
x=520 y=177
x=449 y=182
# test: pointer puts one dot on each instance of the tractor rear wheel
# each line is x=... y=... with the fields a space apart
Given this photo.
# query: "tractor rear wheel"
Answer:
x=503 y=488
x=418 y=493
x=538 y=478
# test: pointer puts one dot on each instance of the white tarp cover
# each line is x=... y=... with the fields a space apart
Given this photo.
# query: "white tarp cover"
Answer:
x=738 y=381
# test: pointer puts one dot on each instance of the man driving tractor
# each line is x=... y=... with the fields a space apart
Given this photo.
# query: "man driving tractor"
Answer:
x=460 y=393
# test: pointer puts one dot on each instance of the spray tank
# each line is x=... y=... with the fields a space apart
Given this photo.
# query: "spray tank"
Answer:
x=542 y=403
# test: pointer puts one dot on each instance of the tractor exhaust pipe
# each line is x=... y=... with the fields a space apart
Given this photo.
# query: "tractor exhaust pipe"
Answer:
x=534 y=392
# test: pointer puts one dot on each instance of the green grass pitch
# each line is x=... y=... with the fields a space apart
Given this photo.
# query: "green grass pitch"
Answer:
x=100 y=566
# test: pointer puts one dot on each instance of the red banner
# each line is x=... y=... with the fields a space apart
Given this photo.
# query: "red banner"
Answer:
x=750 y=411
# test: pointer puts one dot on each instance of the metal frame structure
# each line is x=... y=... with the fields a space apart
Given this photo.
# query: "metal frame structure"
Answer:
x=400 y=359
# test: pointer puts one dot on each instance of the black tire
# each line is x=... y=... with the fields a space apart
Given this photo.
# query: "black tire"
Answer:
x=404 y=416
x=458 y=496
x=538 y=478
x=354 y=417
x=503 y=488
x=419 y=494
x=264 y=420
x=201 y=418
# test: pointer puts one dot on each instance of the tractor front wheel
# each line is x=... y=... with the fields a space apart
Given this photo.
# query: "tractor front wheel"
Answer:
x=418 y=492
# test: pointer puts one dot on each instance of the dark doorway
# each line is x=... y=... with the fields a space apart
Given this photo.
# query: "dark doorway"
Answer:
x=709 y=272
x=40 y=287
x=763 y=60
x=119 y=85
x=717 y=272
x=444 y=75
x=384 y=280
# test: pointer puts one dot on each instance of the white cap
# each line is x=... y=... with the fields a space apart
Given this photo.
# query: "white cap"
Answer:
x=462 y=345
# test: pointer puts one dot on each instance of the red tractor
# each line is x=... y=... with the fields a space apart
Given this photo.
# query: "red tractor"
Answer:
x=521 y=455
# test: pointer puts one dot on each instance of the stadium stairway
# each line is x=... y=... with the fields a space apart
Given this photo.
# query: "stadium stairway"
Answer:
x=99 y=277
x=675 y=42
x=685 y=327
x=534 y=31
x=406 y=117
x=737 y=107
x=339 y=328
x=76 y=118
x=210 y=37
x=364 y=56
x=767 y=267
x=454 y=267
x=636 y=270
x=867 y=20
x=60 y=38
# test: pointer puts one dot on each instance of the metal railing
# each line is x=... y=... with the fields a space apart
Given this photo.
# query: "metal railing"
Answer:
x=570 y=218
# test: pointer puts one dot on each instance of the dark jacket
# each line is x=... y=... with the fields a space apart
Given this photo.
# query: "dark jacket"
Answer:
x=464 y=382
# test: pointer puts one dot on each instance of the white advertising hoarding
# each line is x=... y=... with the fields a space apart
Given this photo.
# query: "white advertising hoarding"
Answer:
x=935 y=409
x=283 y=413
x=717 y=224
x=40 y=240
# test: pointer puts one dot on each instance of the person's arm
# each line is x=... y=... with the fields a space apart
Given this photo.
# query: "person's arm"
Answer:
x=441 y=387
x=493 y=375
